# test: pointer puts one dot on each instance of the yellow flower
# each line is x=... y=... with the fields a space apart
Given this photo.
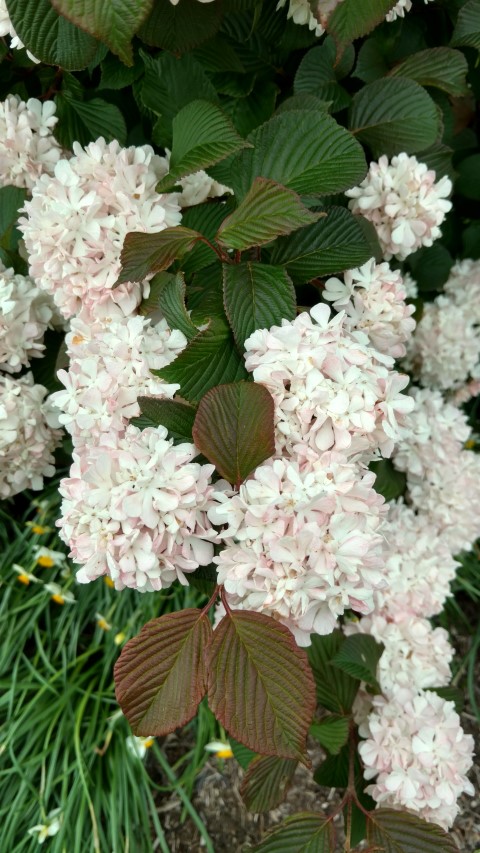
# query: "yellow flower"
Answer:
x=23 y=576
x=102 y=622
x=59 y=595
x=470 y=444
x=39 y=529
x=108 y=581
x=119 y=638
x=139 y=745
x=47 y=558
x=221 y=749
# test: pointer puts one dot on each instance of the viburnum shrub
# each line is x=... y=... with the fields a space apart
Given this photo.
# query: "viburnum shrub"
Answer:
x=227 y=270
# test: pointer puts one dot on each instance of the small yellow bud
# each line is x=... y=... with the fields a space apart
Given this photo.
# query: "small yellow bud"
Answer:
x=119 y=638
x=225 y=753
x=45 y=561
x=108 y=581
x=24 y=579
x=58 y=598
x=470 y=444
x=38 y=529
x=148 y=742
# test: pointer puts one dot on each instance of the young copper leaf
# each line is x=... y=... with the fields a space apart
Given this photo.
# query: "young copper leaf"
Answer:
x=260 y=686
x=305 y=832
x=114 y=22
x=257 y=296
x=177 y=417
x=267 y=211
x=336 y=690
x=358 y=656
x=146 y=253
x=160 y=676
x=171 y=301
x=202 y=135
x=234 y=428
x=393 y=831
x=331 y=732
x=266 y=782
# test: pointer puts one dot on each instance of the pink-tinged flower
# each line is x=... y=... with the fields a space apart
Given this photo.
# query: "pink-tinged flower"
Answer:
x=463 y=287
x=25 y=314
x=196 y=188
x=416 y=655
x=111 y=362
x=419 y=754
x=134 y=508
x=27 y=437
x=77 y=220
x=28 y=148
x=332 y=390
x=301 y=544
x=467 y=392
x=403 y=202
x=373 y=298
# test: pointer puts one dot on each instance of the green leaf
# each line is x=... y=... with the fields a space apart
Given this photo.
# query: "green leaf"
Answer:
x=160 y=676
x=49 y=36
x=468 y=180
x=393 y=115
x=371 y=62
x=269 y=210
x=253 y=109
x=45 y=369
x=441 y=67
x=209 y=359
x=451 y=694
x=439 y=158
x=11 y=200
x=331 y=732
x=181 y=27
x=84 y=121
x=302 y=103
x=257 y=296
x=318 y=75
x=205 y=296
x=467 y=28
x=177 y=417
x=431 y=267
x=241 y=753
x=328 y=246
x=114 y=22
x=234 y=429
x=398 y=832
x=146 y=253
x=351 y=19
x=260 y=686
x=266 y=782
x=389 y=482
x=116 y=75
x=305 y=832
x=202 y=135
x=204 y=579
x=204 y=218
x=149 y=305
x=305 y=151
x=336 y=690
x=171 y=302
x=333 y=772
x=358 y=656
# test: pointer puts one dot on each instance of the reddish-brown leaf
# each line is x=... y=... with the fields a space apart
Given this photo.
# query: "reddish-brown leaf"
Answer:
x=266 y=782
x=146 y=253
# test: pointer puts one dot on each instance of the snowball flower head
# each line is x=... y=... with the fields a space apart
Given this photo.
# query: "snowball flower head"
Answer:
x=135 y=509
x=418 y=751
x=28 y=148
x=27 y=441
x=111 y=363
x=299 y=12
x=302 y=544
x=404 y=203
x=25 y=313
x=77 y=220
x=463 y=287
x=373 y=298
x=331 y=389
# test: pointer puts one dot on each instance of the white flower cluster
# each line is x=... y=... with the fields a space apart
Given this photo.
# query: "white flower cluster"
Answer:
x=400 y=8
x=25 y=313
x=445 y=351
x=299 y=12
x=415 y=747
x=373 y=298
x=77 y=220
x=28 y=148
x=404 y=203
x=197 y=187
x=27 y=437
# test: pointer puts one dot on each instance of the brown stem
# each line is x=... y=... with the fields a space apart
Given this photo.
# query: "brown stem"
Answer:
x=212 y=600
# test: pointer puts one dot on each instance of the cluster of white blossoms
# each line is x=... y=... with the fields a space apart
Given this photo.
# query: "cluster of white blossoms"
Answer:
x=25 y=313
x=417 y=750
x=136 y=511
x=300 y=12
x=28 y=436
x=373 y=298
x=445 y=351
x=400 y=9
x=28 y=148
x=302 y=542
x=77 y=220
x=404 y=202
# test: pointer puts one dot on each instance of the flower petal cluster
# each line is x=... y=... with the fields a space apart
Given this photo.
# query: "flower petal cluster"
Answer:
x=302 y=543
x=299 y=12
x=28 y=148
x=331 y=389
x=111 y=359
x=463 y=287
x=25 y=313
x=373 y=298
x=416 y=745
x=136 y=511
x=404 y=202
x=27 y=437
x=77 y=220
x=400 y=8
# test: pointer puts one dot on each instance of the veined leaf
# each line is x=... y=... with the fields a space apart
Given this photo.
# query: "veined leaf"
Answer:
x=11 y=200
x=84 y=121
x=179 y=28
x=256 y=296
x=171 y=302
x=331 y=732
x=206 y=219
x=241 y=753
x=49 y=36
x=114 y=22
x=202 y=135
x=351 y=19
x=146 y=253
x=177 y=417
x=336 y=690
x=266 y=782
x=467 y=28
x=442 y=67
x=358 y=656
x=160 y=676
x=394 y=114
x=393 y=831
x=319 y=75
x=260 y=686
x=269 y=210
x=234 y=429
x=301 y=833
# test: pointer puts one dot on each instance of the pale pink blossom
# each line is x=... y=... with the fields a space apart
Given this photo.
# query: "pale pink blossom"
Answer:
x=28 y=148
x=25 y=313
x=404 y=202
x=463 y=286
